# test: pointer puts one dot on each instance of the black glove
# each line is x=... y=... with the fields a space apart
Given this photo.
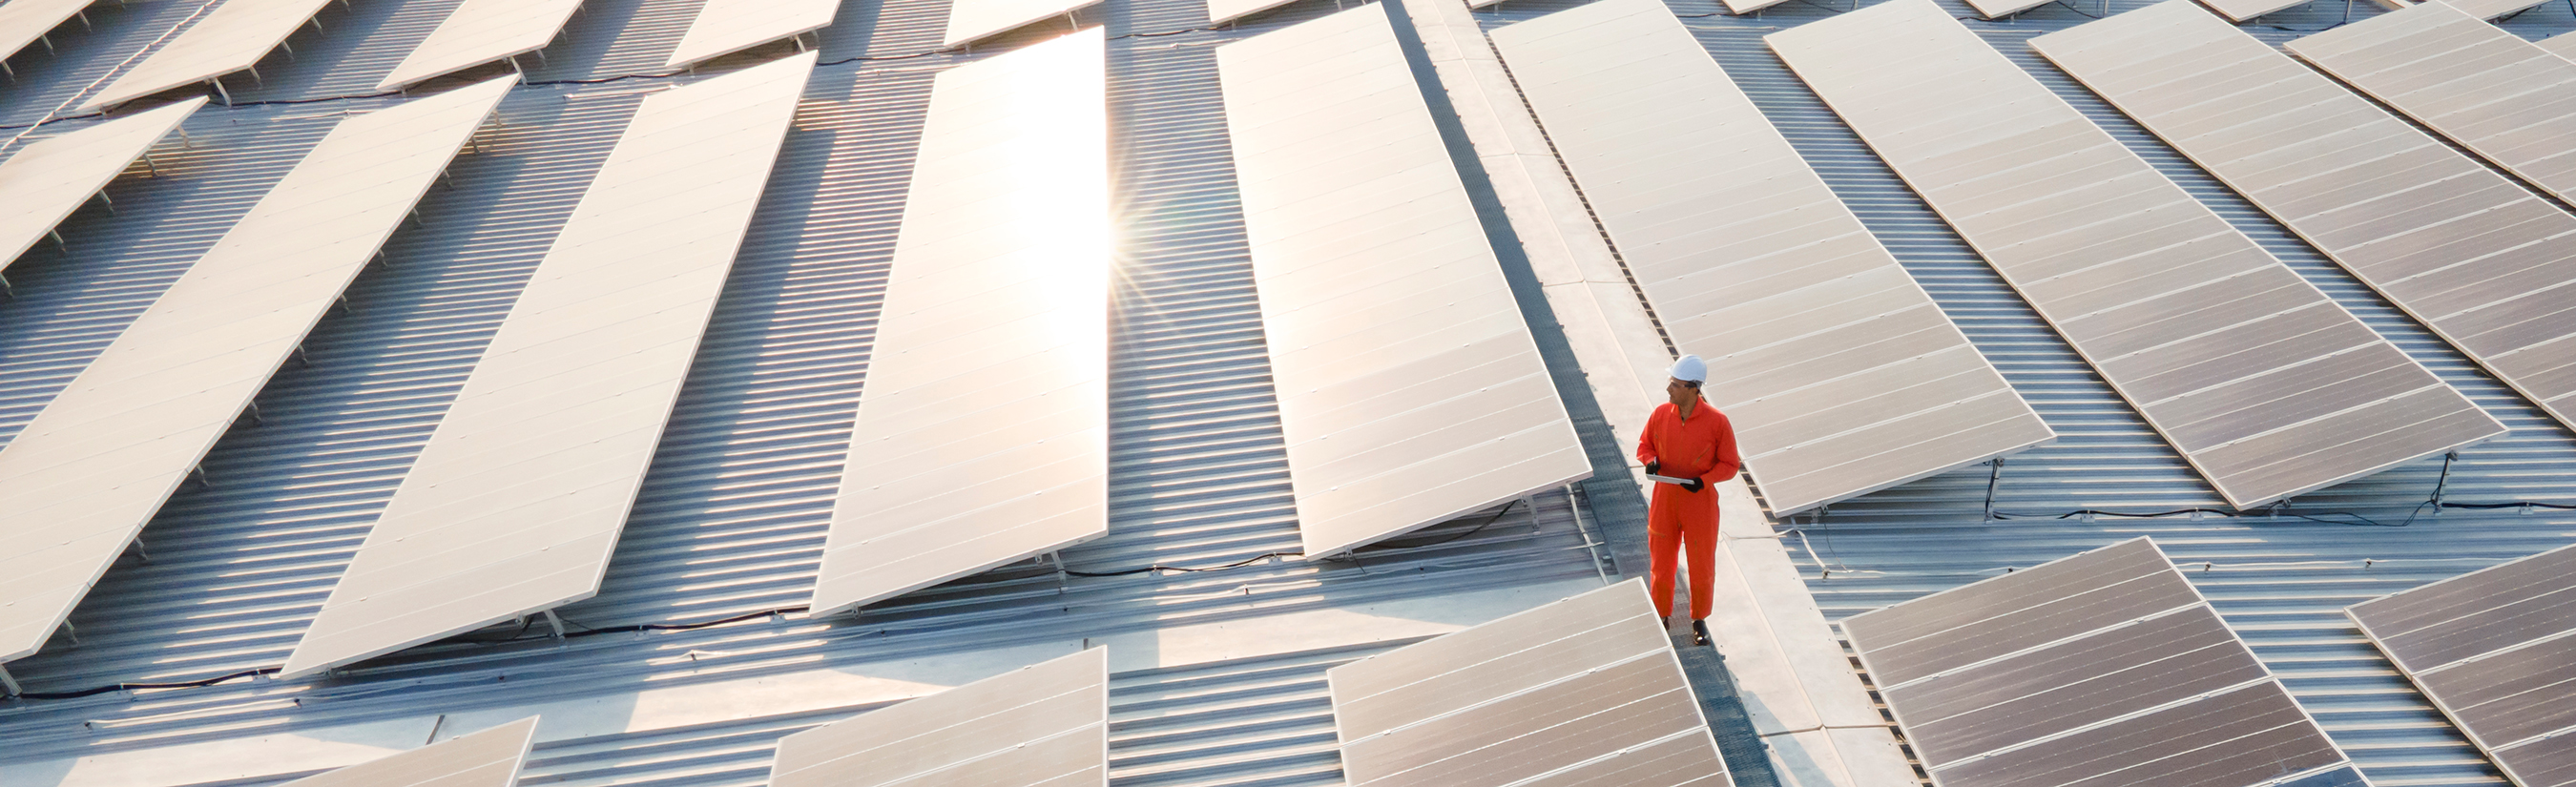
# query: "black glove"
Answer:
x=1695 y=485
x=1652 y=466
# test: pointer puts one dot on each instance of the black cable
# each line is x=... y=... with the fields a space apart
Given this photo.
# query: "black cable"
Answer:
x=1161 y=567
x=98 y=690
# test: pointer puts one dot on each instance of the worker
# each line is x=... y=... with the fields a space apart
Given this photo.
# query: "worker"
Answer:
x=1686 y=439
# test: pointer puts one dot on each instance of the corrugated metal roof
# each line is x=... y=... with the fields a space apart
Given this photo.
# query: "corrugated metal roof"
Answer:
x=731 y=517
x=2280 y=582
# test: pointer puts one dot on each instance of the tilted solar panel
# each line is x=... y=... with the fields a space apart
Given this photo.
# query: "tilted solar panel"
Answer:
x=1410 y=389
x=1586 y=690
x=49 y=178
x=970 y=21
x=2102 y=669
x=231 y=38
x=516 y=501
x=2503 y=98
x=490 y=758
x=983 y=432
x=2258 y=379
x=94 y=466
x=1841 y=375
x=23 y=22
x=724 y=27
x=2495 y=649
x=2480 y=260
x=1045 y=725
x=479 y=32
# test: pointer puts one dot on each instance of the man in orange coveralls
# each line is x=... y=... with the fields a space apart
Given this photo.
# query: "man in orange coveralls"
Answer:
x=1687 y=439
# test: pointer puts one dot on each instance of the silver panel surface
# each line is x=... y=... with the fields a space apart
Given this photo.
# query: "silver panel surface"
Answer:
x=1223 y=11
x=2102 y=668
x=2562 y=45
x=24 y=21
x=517 y=499
x=2505 y=99
x=970 y=21
x=2484 y=263
x=983 y=432
x=1045 y=725
x=49 y=178
x=82 y=479
x=2244 y=10
x=1586 y=690
x=2263 y=383
x=2490 y=9
x=233 y=37
x=479 y=32
x=724 y=27
x=1752 y=263
x=490 y=758
x=2495 y=649
x=1410 y=390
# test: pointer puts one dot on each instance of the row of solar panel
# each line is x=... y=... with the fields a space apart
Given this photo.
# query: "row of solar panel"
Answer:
x=982 y=436
x=1587 y=690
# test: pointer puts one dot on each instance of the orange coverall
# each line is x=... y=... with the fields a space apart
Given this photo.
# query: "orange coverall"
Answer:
x=1701 y=447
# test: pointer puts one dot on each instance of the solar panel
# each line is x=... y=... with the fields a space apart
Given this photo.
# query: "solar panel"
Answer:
x=2501 y=97
x=1043 y=725
x=2495 y=649
x=233 y=37
x=2100 y=669
x=479 y=32
x=983 y=432
x=1223 y=11
x=83 y=477
x=1841 y=374
x=2263 y=383
x=724 y=27
x=491 y=758
x=517 y=499
x=2490 y=9
x=1586 y=690
x=22 y=22
x=1410 y=390
x=2243 y=10
x=2563 y=45
x=970 y=21
x=49 y=178
x=2462 y=249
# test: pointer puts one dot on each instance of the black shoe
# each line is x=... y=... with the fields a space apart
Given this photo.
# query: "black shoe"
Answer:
x=1699 y=632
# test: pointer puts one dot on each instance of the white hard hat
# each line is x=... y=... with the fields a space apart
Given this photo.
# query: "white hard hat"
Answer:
x=1690 y=369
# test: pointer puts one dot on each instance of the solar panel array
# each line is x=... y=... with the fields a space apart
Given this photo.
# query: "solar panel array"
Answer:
x=724 y=27
x=517 y=499
x=2263 y=383
x=2102 y=669
x=970 y=21
x=1410 y=389
x=231 y=38
x=1045 y=725
x=1586 y=690
x=24 y=22
x=479 y=32
x=82 y=479
x=1840 y=373
x=2495 y=649
x=983 y=432
x=2483 y=262
x=48 y=179
x=490 y=758
x=2508 y=101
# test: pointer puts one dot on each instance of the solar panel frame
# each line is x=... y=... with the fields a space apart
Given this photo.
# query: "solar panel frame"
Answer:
x=94 y=466
x=479 y=32
x=2494 y=651
x=2066 y=235
x=22 y=22
x=2269 y=141
x=1044 y=725
x=970 y=21
x=991 y=348
x=2453 y=73
x=488 y=758
x=2005 y=634
x=47 y=179
x=723 y=27
x=1713 y=211
x=513 y=507
x=231 y=38
x=1370 y=263
x=1542 y=680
